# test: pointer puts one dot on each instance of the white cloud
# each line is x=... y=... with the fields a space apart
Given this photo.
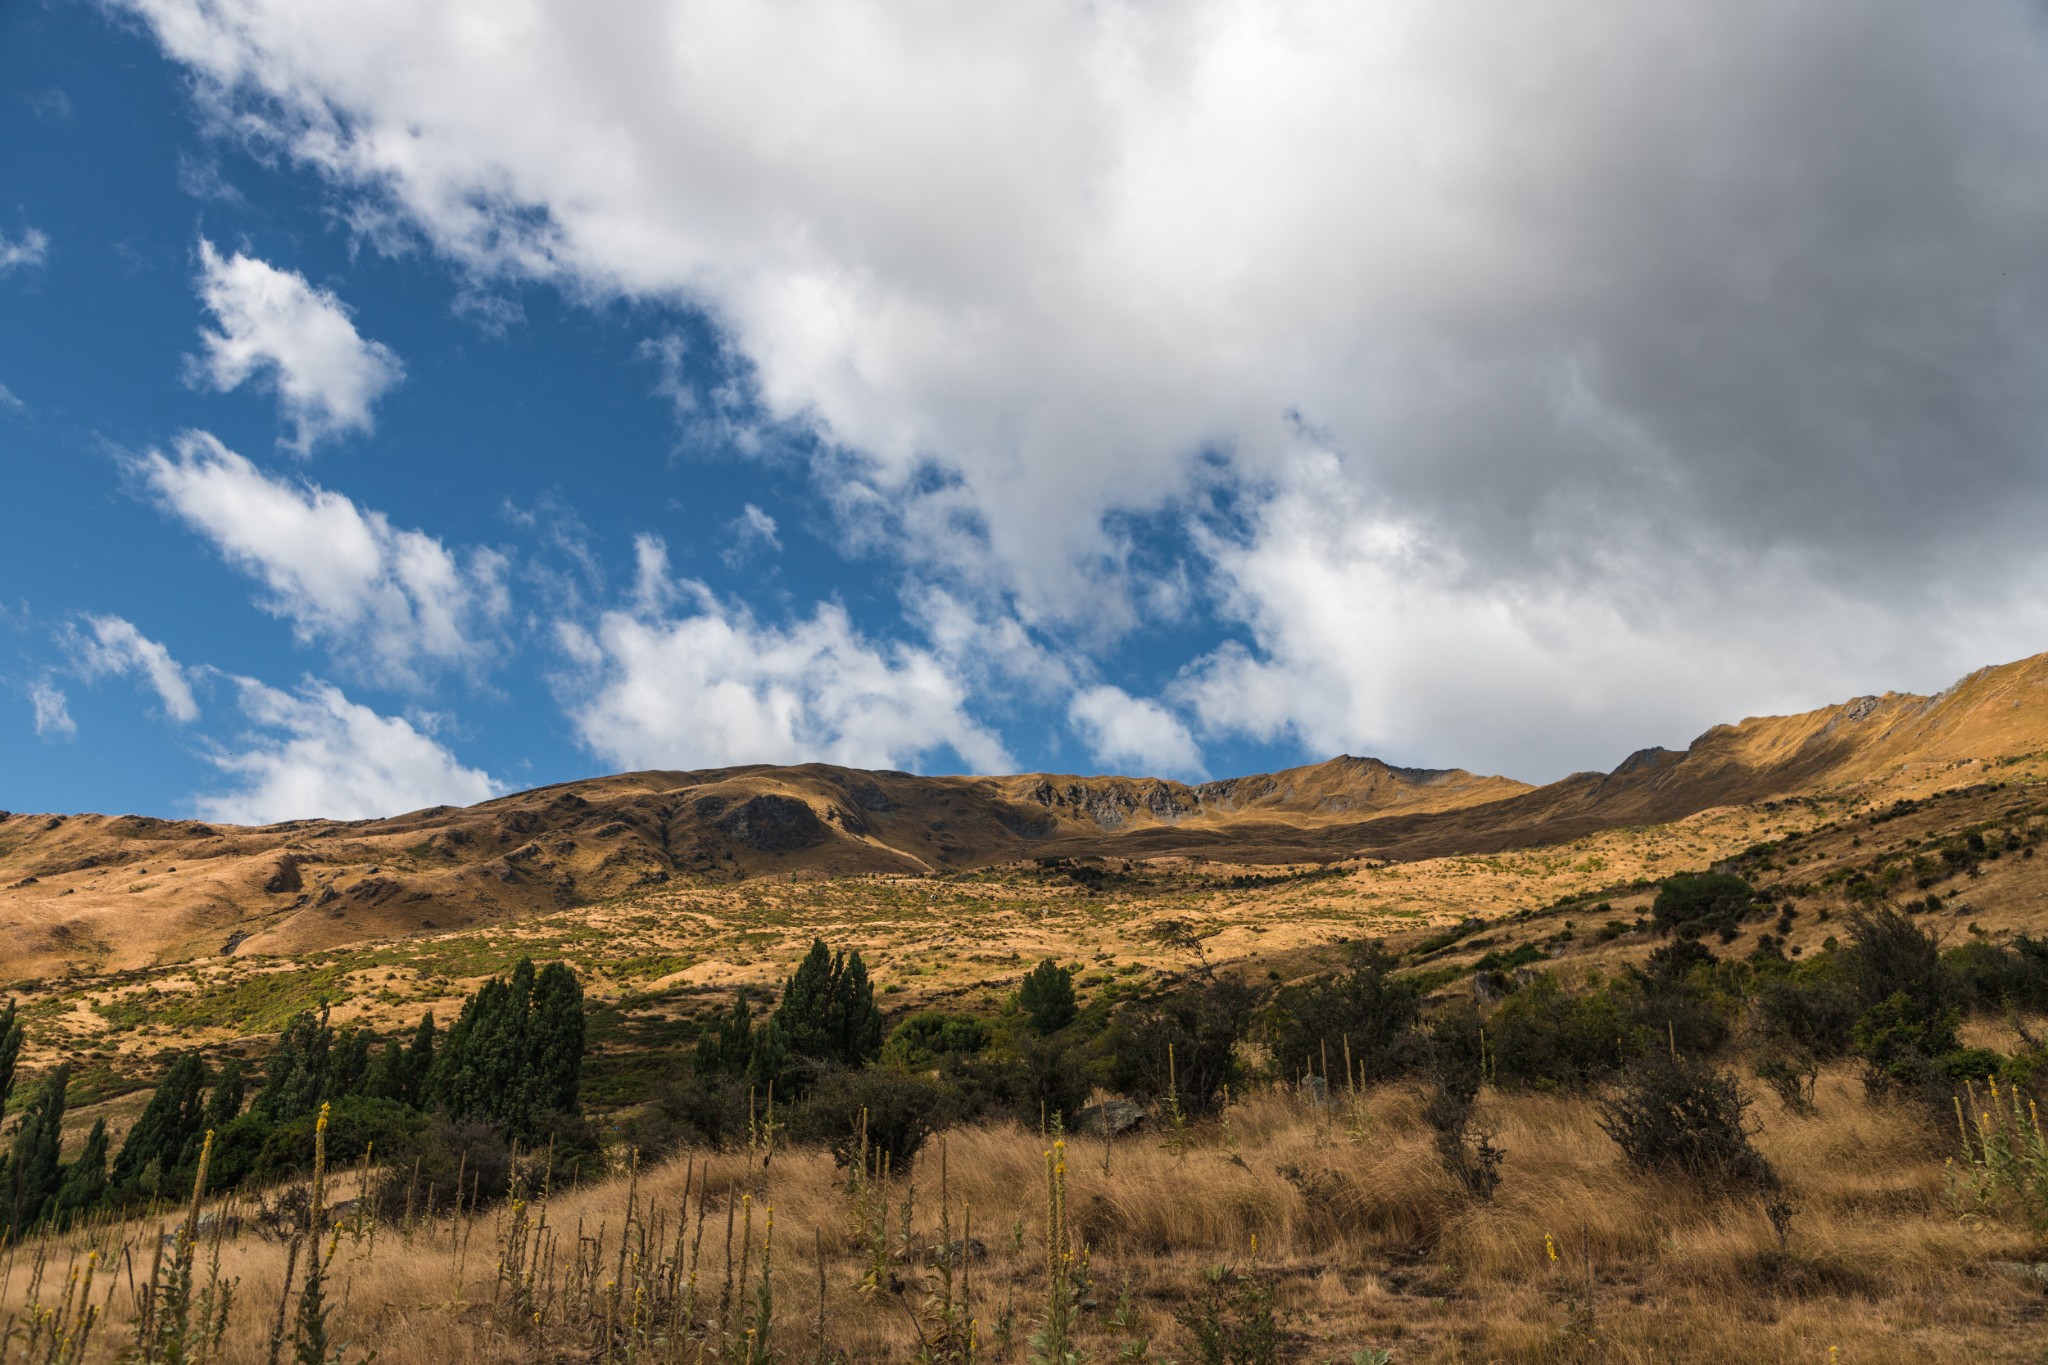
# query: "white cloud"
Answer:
x=9 y=401
x=53 y=711
x=685 y=681
x=276 y=326
x=750 y=531
x=1629 y=321
x=1373 y=637
x=393 y=601
x=32 y=248
x=318 y=754
x=1142 y=736
x=116 y=647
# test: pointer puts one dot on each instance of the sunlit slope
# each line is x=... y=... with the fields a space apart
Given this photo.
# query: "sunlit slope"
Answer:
x=108 y=892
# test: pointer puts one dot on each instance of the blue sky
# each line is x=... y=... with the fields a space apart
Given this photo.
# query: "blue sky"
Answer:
x=407 y=404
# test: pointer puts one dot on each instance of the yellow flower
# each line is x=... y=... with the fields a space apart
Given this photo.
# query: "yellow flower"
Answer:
x=1550 y=1247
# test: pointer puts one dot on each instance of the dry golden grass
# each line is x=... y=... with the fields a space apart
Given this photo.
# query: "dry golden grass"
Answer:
x=1372 y=1246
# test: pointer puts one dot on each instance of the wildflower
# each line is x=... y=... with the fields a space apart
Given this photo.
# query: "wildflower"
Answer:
x=1551 y=1247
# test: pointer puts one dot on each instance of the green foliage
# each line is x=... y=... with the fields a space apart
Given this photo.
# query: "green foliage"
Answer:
x=827 y=1014
x=33 y=1171
x=10 y=1050
x=298 y=1078
x=83 y=1187
x=1047 y=996
x=1546 y=1036
x=514 y=1056
x=1992 y=977
x=899 y=1110
x=354 y=1123
x=727 y=1049
x=1693 y=903
x=1366 y=1006
x=1202 y=1023
x=166 y=1134
x=1233 y=1317
x=930 y=1036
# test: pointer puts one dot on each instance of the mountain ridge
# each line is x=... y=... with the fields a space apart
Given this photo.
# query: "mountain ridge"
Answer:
x=123 y=890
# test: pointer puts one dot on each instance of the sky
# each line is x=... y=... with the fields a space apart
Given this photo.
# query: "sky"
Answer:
x=404 y=404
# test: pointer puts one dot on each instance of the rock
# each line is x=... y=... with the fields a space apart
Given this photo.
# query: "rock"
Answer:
x=2031 y=1272
x=953 y=1252
x=286 y=878
x=26 y=881
x=1112 y=1118
x=776 y=824
x=1488 y=989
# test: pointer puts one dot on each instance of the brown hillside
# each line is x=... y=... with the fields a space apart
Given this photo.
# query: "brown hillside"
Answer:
x=113 y=892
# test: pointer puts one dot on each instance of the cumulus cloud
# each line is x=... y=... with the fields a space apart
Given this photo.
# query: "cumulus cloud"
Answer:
x=32 y=248
x=53 y=711
x=394 y=602
x=316 y=754
x=683 y=680
x=1121 y=729
x=1618 y=318
x=114 y=647
x=277 y=328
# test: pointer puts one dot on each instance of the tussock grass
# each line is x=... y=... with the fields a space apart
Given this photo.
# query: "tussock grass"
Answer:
x=1370 y=1243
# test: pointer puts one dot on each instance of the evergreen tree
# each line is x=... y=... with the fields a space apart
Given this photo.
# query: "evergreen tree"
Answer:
x=1047 y=996
x=828 y=1010
x=348 y=1064
x=727 y=1048
x=554 y=1042
x=514 y=1056
x=166 y=1129
x=224 y=1101
x=401 y=1069
x=295 y=1079
x=84 y=1185
x=10 y=1050
x=33 y=1171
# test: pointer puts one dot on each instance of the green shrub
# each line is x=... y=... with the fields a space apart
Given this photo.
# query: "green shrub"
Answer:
x=923 y=1039
x=1188 y=1039
x=1546 y=1036
x=1693 y=903
x=900 y=1109
x=1366 y=1007
x=1047 y=996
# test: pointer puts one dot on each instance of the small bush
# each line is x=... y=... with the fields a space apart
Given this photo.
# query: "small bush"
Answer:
x=1233 y=1318
x=925 y=1038
x=1366 y=1007
x=1694 y=903
x=901 y=1109
x=1683 y=1116
x=1202 y=1023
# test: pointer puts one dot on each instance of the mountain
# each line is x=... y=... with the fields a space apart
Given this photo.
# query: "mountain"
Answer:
x=124 y=891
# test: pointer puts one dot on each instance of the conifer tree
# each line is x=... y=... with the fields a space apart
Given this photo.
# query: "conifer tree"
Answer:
x=10 y=1050
x=33 y=1170
x=514 y=1055
x=295 y=1079
x=828 y=1009
x=167 y=1127
x=83 y=1187
x=727 y=1048
x=224 y=1101
x=554 y=1042
x=1047 y=996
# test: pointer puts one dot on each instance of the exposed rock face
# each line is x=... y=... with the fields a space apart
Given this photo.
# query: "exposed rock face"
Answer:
x=776 y=824
x=286 y=879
